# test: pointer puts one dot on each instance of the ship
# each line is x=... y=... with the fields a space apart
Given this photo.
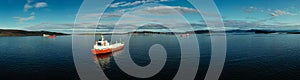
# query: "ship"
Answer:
x=49 y=36
x=103 y=47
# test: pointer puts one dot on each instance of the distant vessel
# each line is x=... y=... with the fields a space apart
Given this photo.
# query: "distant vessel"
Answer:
x=103 y=47
x=185 y=35
x=45 y=35
x=49 y=36
x=52 y=36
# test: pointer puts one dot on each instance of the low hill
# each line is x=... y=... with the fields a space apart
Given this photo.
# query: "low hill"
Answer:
x=10 y=32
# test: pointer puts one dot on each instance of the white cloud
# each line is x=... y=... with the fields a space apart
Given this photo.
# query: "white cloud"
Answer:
x=271 y=12
x=124 y=4
x=30 y=4
x=281 y=13
x=27 y=7
x=93 y=16
x=169 y=9
x=23 y=19
x=132 y=3
x=117 y=4
x=41 y=5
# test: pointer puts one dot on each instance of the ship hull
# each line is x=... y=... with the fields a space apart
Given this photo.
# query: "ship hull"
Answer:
x=52 y=36
x=108 y=50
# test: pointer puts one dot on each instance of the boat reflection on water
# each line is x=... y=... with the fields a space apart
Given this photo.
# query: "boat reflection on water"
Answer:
x=104 y=59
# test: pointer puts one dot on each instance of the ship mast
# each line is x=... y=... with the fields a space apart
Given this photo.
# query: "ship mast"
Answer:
x=102 y=38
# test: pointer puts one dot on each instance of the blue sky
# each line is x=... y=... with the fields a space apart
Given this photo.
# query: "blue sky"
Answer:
x=57 y=15
x=15 y=15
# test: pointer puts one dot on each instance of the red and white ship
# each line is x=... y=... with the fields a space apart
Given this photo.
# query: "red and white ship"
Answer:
x=103 y=47
x=49 y=36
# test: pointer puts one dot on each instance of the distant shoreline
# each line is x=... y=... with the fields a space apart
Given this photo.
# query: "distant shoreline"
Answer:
x=12 y=32
x=253 y=31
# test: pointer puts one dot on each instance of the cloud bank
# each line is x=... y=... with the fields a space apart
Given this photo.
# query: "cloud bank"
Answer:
x=281 y=13
x=24 y=19
x=137 y=2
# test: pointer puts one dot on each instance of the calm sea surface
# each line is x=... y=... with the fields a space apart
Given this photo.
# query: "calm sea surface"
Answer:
x=249 y=57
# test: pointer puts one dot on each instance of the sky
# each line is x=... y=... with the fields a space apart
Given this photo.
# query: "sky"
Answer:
x=126 y=15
